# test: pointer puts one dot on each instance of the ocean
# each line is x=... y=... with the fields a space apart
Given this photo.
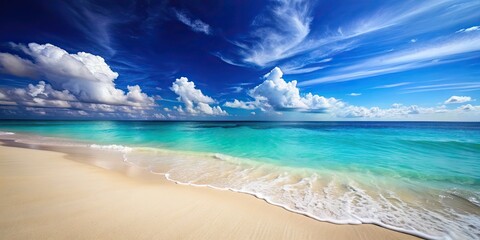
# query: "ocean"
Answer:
x=422 y=178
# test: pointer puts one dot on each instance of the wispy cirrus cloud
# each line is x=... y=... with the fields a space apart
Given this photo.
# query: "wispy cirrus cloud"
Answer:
x=281 y=31
x=277 y=32
x=392 y=85
x=94 y=21
x=435 y=53
x=300 y=66
x=196 y=25
x=470 y=29
x=445 y=86
x=292 y=39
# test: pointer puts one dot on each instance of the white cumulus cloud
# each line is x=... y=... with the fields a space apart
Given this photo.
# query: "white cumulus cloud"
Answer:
x=15 y=65
x=196 y=103
x=40 y=95
x=277 y=94
x=240 y=104
x=80 y=84
x=469 y=107
x=397 y=110
x=43 y=98
x=84 y=75
x=458 y=99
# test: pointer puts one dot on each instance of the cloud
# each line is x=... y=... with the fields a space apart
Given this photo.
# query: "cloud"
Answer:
x=470 y=29
x=17 y=66
x=284 y=33
x=240 y=104
x=196 y=103
x=418 y=17
x=228 y=60
x=42 y=98
x=392 y=85
x=458 y=99
x=237 y=89
x=286 y=25
x=354 y=94
x=447 y=51
x=94 y=21
x=397 y=110
x=78 y=85
x=276 y=34
x=195 y=24
x=469 y=108
x=37 y=111
x=40 y=95
x=465 y=86
x=400 y=111
x=83 y=75
x=278 y=95
x=300 y=70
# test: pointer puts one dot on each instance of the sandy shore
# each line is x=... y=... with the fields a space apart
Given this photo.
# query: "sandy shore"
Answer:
x=44 y=195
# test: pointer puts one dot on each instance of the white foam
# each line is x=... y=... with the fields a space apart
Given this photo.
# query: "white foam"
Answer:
x=113 y=147
x=342 y=200
x=268 y=199
x=474 y=200
x=6 y=133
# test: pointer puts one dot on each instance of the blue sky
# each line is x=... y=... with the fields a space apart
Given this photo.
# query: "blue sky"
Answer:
x=240 y=60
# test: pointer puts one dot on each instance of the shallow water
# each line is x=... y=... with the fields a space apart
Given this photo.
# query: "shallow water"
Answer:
x=420 y=178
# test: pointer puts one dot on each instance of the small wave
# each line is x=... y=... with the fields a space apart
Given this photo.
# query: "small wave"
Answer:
x=474 y=200
x=228 y=158
x=7 y=133
x=342 y=200
x=114 y=147
x=269 y=199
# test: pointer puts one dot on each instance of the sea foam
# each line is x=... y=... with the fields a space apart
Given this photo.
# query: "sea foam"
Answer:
x=114 y=147
x=6 y=133
x=340 y=198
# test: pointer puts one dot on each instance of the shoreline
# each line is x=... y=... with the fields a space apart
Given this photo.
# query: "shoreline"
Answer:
x=277 y=221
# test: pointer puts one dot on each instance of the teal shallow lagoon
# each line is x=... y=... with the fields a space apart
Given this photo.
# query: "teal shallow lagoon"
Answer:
x=422 y=178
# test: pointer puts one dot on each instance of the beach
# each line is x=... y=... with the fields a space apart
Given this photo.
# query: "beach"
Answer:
x=46 y=194
x=283 y=119
x=292 y=180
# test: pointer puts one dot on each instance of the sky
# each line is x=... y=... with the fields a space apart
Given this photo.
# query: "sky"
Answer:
x=281 y=60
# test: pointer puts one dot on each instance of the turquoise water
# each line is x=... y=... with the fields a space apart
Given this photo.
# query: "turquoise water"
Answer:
x=421 y=178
